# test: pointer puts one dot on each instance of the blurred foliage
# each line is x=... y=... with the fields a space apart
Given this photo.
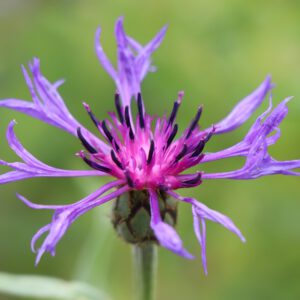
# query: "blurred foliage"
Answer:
x=43 y=287
x=217 y=51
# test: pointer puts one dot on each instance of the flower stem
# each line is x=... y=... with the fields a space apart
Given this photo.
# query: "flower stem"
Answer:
x=145 y=265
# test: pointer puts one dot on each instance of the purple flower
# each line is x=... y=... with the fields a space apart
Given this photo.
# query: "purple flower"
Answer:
x=142 y=152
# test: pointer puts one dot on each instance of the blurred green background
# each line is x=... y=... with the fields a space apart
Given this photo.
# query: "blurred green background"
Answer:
x=218 y=52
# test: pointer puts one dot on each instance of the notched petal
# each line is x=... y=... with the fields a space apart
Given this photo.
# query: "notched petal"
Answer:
x=244 y=109
x=133 y=61
x=262 y=134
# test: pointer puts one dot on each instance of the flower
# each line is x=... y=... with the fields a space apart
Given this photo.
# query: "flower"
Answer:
x=142 y=153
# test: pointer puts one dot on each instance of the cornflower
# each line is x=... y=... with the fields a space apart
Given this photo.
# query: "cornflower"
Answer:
x=142 y=154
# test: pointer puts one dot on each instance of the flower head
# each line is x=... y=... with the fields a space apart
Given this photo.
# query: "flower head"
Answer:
x=142 y=153
x=145 y=153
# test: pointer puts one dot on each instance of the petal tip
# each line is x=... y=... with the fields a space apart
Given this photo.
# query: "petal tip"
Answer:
x=25 y=201
x=97 y=35
x=119 y=24
x=188 y=255
x=38 y=257
x=164 y=29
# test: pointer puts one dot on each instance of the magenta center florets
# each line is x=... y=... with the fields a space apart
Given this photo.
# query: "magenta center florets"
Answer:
x=146 y=156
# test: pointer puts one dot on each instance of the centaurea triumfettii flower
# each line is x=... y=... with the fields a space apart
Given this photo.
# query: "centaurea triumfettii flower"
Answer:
x=142 y=153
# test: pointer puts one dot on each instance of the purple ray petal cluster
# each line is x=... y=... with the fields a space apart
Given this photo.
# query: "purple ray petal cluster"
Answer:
x=65 y=215
x=143 y=152
x=31 y=166
x=134 y=61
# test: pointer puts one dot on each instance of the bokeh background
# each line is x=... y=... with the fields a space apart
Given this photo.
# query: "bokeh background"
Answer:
x=218 y=52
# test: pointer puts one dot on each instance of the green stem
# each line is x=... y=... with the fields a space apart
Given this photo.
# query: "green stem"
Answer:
x=145 y=265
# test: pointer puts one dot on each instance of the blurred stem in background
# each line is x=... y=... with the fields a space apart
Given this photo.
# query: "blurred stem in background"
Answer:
x=98 y=242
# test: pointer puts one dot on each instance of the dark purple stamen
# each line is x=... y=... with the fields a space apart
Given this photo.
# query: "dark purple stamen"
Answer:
x=151 y=152
x=95 y=165
x=119 y=108
x=115 y=144
x=194 y=180
x=127 y=118
x=182 y=153
x=199 y=148
x=85 y=143
x=207 y=138
x=172 y=135
x=195 y=121
x=140 y=110
x=173 y=113
x=115 y=159
x=93 y=118
x=129 y=179
x=107 y=132
x=128 y=123
x=131 y=135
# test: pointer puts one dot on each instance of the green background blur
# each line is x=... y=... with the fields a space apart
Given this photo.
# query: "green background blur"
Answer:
x=218 y=52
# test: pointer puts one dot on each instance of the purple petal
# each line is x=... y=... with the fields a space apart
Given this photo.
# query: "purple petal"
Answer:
x=242 y=148
x=47 y=106
x=169 y=239
x=37 y=235
x=244 y=109
x=99 y=192
x=206 y=213
x=48 y=93
x=22 y=106
x=133 y=61
x=18 y=148
x=37 y=206
x=128 y=84
x=31 y=166
x=165 y=234
x=106 y=64
x=200 y=231
x=255 y=148
x=143 y=60
x=201 y=213
x=64 y=217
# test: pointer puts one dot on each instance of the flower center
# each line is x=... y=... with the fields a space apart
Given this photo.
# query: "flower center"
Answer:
x=146 y=157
